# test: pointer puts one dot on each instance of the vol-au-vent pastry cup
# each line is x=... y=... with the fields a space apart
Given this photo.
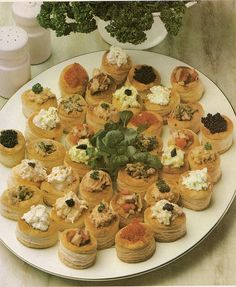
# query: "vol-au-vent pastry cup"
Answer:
x=162 y=189
x=49 y=152
x=167 y=220
x=161 y=100
x=16 y=200
x=97 y=116
x=143 y=77
x=205 y=156
x=103 y=224
x=135 y=242
x=151 y=122
x=61 y=180
x=100 y=88
x=28 y=172
x=73 y=80
x=95 y=186
x=186 y=82
x=218 y=131
x=69 y=211
x=44 y=124
x=72 y=111
x=117 y=64
x=186 y=116
x=128 y=206
x=37 y=98
x=12 y=147
x=136 y=177
x=77 y=248
x=195 y=189
x=35 y=229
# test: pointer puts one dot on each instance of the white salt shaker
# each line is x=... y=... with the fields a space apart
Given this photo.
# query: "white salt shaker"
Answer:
x=14 y=60
x=25 y=16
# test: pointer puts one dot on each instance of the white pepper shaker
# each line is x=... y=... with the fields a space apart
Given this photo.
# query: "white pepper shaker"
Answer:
x=25 y=16
x=14 y=60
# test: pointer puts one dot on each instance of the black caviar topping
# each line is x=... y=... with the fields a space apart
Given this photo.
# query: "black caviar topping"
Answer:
x=128 y=92
x=168 y=207
x=145 y=75
x=162 y=186
x=101 y=207
x=8 y=138
x=31 y=164
x=82 y=146
x=95 y=175
x=70 y=202
x=37 y=88
x=173 y=153
x=105 y=106
x=215 y=123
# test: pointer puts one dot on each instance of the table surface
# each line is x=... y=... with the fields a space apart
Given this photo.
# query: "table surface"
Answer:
x=207 y=41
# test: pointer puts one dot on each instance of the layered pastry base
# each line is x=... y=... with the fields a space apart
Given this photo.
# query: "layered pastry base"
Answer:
x=184 y=139
x=72 y=111
x=35 y=229
x=135 y=242
x=28 y=172
x=96 y=186
x=103 y=224
x=150 y=122
x=195 y=189
x=73 y=80
x=69 y=211
x=12 y=147
x=218 y=131
x=49 y=152
x=143 y=77
x=127 y=98
x=80 y=131
x=162 y=190
x=77 y=248
x=61 y=180
x=100 y=88
x=186 y=82
x=161 y=100
x=97 y=116
x=174 y=162
x=205 y=156
x=37 y=98
x=16 y=200
x=117 y=64
x=77 y=157
x=136 y=177
x=167 y=220
x=128 y=206
x=186 y=116
x=44 y=124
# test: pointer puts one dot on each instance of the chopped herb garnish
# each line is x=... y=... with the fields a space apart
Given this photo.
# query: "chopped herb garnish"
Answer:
x=101 y=207
x=37 y=88
x=162 y=186
x=95 y=175
x=208 y=146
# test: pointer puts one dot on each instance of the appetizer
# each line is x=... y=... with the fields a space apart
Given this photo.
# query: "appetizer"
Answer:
x=73 y=80
x=195 y=189
x=186 y=82
x=103 y=224
x=149 y=143
x=69 y=211
x=35 y=229
x=77 y=248
x=117 y=64
x=37 y=98
x=12 y=147
x=135 y=242
x=167 y=220
x=96 y=186
x=217 y=129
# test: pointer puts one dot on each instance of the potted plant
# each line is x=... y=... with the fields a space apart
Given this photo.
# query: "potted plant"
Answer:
x=140 y=24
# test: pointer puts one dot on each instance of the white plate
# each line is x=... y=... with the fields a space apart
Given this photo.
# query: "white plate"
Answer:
x=108 y=266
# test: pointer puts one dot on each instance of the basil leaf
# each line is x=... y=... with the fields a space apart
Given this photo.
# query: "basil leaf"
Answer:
x=131 y=150
x=130 y=136
x=154 y=161
x=140 y=156
x=112 y=138
x=125 y=117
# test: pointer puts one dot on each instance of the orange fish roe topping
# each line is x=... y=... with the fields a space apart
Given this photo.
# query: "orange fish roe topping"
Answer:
x=133 y=232
x=75 y=76
x=144 y=118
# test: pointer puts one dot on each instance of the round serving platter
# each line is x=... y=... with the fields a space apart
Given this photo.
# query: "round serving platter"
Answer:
x=108 y=266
